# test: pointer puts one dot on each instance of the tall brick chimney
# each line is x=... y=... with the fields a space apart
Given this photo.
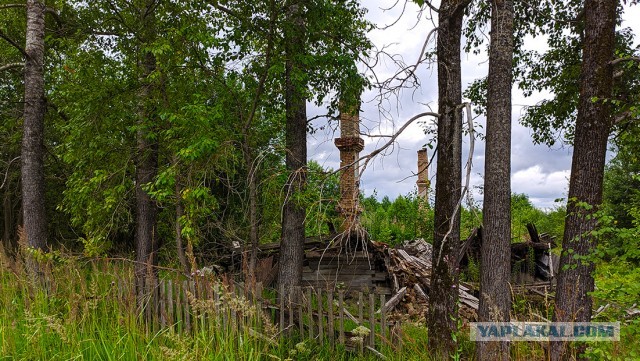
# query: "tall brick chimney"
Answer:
x=350 y=144
x=423 y=174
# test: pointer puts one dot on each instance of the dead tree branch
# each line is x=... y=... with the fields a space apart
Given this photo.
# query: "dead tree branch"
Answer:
x=11 y=66
x=465 y=189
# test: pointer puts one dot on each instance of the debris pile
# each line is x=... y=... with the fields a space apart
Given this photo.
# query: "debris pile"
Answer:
x=409 y=268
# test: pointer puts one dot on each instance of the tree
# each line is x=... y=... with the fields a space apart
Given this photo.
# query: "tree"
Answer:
x=495 y=299
x=32 y=154
x=593 y=124
x=321 y=43
x=146 y=158
x=442 y=313
x=293 y=217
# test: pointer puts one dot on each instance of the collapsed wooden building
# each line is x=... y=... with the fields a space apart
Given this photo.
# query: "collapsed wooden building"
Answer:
x=350 y=261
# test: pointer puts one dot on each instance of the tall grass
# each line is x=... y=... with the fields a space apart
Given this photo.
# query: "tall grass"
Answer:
x=74 y=315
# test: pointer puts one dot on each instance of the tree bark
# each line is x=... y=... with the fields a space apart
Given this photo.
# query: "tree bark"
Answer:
x=254 y=236
x=593 y=124
x=442 y=313
x=146 y=167
x=293 y=233
x=495 y=270
x=32 y=157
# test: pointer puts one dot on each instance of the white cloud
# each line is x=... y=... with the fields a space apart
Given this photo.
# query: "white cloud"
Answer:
x=538 y=171
x=543 y=188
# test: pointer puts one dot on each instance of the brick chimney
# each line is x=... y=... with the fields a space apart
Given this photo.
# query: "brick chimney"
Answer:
x=423 y=174
x=350 y=144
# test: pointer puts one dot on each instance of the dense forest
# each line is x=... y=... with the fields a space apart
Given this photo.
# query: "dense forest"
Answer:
x=163 y=138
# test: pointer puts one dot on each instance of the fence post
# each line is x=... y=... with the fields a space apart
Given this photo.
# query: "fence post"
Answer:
x=360 y=308
x=341 y=316
x=170 y=304
x=179 y=308
x=186 y=308
x=257 y=300
x=320 y=317
x=330 y=328
x=300 y=304
x=372 y=321
x=383 y=317
x=290 y=308
x=281 y=302
x=194 y=297
x=163 y=310
x=310 y=310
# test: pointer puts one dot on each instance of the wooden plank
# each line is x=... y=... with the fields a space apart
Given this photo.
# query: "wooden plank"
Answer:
x=420 y=292
x=170 y=304
x=155 y=294
x=360 y=308
x=211 y=314
x=310 y=312
x=320 y=317
x=220 y=314
x=342 y=272
x=388 y=306
x=202 y=294
x=372 y=322
x=330 y=327
x=383 y=317
x=350 y=279
x=146 y=303
x=187 y=307
x=163 y=307
x=179 y=309
x=290 y=309
x=300 y=305
x=351 y=317
x=281 y=299
x=233 y=319
x=192 y=289
x=341 y=316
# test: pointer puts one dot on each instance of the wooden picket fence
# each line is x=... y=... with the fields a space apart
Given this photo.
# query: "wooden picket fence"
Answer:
x=328 y=316
x=204 y=303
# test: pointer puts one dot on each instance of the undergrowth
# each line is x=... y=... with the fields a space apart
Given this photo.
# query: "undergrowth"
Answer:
x=72 y=317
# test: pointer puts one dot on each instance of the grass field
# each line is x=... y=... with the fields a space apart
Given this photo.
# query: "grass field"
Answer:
x=74 y=319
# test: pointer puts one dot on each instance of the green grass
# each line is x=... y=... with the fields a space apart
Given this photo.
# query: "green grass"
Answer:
x=77 y=319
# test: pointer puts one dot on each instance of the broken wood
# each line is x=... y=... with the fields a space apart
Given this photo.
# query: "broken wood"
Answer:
x=420 y=292
x=391 y=304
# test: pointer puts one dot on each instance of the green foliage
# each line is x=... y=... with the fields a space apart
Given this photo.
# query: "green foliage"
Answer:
x=321 y=199
x=557 y=69
x=406 y=218
x=546 y=221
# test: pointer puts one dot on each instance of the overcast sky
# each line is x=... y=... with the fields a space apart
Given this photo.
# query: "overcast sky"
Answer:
x=536 y=170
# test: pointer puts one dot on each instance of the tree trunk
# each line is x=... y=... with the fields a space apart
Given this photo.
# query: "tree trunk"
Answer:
x=495 y=298
x=593 y=124
x=252 y=174
x=32 y=157
x=146 y=168
x=292 y=243
x=442 y=313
